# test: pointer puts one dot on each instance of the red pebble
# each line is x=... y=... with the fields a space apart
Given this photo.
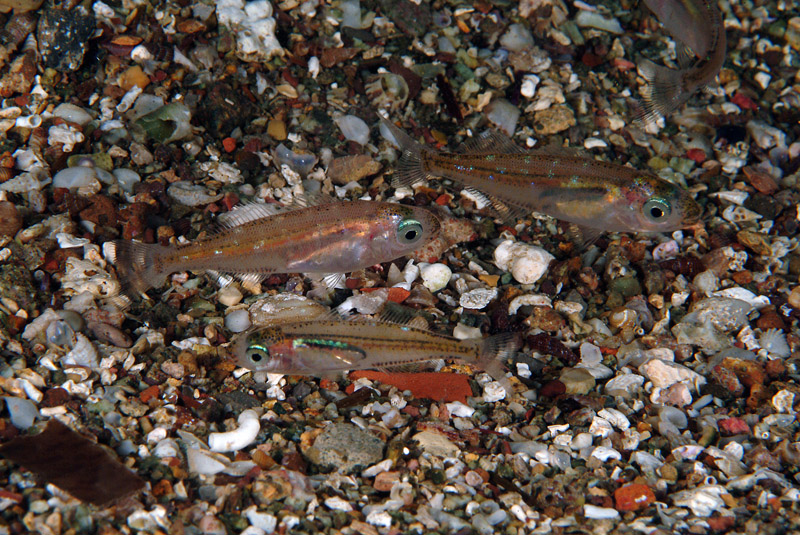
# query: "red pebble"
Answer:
x=746 y=103
x=553 y=389
x=398 y=295
x=439 y=386
x=721 y=523
x=149 y=393
x=633 y=497
x=443 y=199
x=733 y=426
x=229 y=144
x=698 y=156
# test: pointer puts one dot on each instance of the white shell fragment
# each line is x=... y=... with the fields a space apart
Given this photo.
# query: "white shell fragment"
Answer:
x=353 y=128
x=239 y=438
x=435 y=276
x=527 y=263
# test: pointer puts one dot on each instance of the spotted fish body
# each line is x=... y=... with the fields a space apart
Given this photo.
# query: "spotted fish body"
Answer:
x=587 y=192
x=322 y=347
x=255 y=241
x=699 y=30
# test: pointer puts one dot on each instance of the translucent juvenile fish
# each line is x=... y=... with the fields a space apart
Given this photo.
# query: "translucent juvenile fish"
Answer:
x=698 y=28
x=597 y=196
x=256 y=240
x=324 y=347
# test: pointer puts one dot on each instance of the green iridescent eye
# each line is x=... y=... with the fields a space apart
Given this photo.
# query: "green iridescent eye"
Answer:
x=656 y=209
x=257 y=355
x=409 y=231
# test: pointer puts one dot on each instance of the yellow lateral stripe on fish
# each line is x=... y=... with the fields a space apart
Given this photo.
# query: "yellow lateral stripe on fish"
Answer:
x=326 y=346
x=589 y=193
x=697 y=24
x=334 y=237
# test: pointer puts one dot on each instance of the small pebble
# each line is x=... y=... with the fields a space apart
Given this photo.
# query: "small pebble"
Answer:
x=435 y=276
x=238 y=321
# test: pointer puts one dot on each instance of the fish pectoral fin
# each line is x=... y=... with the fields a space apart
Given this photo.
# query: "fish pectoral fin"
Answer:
x=490 y=141
x=502 y=210
x=582 y=235
x=685 y=55
x=334 y=280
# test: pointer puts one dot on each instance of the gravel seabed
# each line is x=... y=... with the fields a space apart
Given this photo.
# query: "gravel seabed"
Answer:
x=656 y=389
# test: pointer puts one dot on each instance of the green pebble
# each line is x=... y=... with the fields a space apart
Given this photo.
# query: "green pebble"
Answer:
x=658 y=163
x=625 y=286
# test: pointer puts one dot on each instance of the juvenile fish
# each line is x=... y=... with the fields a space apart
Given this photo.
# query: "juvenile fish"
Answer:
x=254 y=241
x=698 y=28
x=597 y=196
x=323 y=347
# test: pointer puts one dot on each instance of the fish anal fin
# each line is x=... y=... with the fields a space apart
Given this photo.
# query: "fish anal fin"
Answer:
x=490 y=141
x=396 y=314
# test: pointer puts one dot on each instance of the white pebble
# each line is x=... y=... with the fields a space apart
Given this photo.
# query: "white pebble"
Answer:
x=493 y=391
x=263 y=521
x=456 y=408
x=338 y=504
x=597 y=513
x=503 y=115
x=604 y=454
x=527 y=263
x=127 y=179
x=72 y=113
x=76 y=177
x=239 y=438
x=517 y=38
x=435 y=276
x=203 y=462
x=229 y=296
x=594 y=143
x=381 y=519
x=238 y=321
x=590 y=19
x=353 y=129
x=478 y=298
x=22 y=412
x=581 y=441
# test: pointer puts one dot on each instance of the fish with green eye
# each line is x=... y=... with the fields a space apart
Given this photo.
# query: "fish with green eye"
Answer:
x=329 y=345
x=257 y=240
x=596 y=196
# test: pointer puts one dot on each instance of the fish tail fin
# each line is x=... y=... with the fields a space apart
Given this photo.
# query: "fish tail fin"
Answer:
x=663 y=93
x=409 y=168
x=494 y=351
x=139 y=265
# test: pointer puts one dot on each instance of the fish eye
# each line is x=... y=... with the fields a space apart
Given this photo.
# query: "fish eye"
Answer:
x=257 y=354
x=656 y=209
x=409 y=231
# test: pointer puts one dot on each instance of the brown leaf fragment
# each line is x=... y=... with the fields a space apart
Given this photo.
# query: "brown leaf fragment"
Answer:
x=75 y=464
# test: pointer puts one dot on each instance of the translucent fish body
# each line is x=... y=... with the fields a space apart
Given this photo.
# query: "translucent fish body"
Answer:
x=254 y=242
x=327 y=346
x=587 y=192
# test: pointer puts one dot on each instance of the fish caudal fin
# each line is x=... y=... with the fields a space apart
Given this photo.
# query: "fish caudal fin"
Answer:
x=663 y=93
x=409 y=169
x=494 y=351
x=139 y=265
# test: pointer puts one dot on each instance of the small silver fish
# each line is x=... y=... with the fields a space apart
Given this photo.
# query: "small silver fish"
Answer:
x=322 y=347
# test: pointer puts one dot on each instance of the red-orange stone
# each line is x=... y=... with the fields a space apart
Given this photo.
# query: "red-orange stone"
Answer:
x=633 y=497
x=438 y=386
x=229 y=144
x=149 y=393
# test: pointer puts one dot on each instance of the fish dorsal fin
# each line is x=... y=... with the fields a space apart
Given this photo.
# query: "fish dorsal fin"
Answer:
x=491 y=141
x=553 y=149
x=246 y=213
x=396 y=314
x=507 y=212
x=308 y=199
